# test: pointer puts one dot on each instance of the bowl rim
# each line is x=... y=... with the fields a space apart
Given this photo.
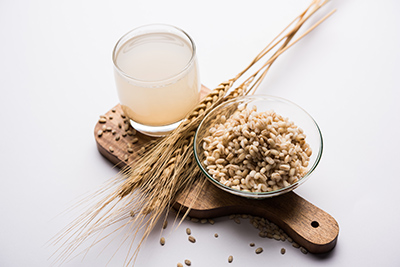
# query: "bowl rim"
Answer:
x=259 y=194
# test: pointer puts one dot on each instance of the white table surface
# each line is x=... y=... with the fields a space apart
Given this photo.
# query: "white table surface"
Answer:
x=56 y=78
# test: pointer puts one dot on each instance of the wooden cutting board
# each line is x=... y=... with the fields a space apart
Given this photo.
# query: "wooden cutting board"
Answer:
x=309 y=226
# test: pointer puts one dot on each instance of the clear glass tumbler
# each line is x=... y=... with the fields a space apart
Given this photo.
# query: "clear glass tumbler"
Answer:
x=157 y=77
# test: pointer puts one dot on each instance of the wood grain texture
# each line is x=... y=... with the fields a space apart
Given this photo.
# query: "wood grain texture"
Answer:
x=306 y=224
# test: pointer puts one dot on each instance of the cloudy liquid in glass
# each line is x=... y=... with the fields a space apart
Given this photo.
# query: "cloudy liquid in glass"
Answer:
x=157 y=85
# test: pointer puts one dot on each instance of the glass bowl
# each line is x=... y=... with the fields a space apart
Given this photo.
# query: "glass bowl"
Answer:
x=263 y=103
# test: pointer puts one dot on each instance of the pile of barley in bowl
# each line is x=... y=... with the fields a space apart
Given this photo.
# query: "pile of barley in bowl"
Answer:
x=256 y=151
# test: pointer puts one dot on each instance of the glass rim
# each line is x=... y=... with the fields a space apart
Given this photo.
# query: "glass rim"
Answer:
x=122 y=40
x=258 y=195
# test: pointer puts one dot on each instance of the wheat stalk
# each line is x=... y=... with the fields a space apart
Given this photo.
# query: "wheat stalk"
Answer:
x=146 y=189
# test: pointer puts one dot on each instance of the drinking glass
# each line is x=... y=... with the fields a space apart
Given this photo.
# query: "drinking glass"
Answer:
x=157 y=77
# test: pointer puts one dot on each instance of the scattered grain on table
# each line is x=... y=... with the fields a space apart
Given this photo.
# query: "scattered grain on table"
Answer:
x=259 y=250
x=303 y=250
x=192 y=239
x=230 y=259
x=162 y=241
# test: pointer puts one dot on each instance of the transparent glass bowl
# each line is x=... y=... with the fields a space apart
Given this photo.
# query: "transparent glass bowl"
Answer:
x=282 y=107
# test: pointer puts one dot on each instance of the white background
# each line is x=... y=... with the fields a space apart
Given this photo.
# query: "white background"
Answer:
x=56 y=79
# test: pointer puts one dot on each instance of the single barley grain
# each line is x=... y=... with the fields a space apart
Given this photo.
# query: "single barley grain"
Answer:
x=211 y=221
x=283 y=251
x=203 y=221
x=102 y=120
x=135 y=140
x=216 y=235
x=117 y=137
x=194 y=220
x=192 y=239
x=230 y=259
x=188 y=262
x=110 y=117
x=99 y=133
x=111 y=149
x=179 y=264
x=303 y=250
x=259 y=250
x=252 y=244
x=130 y=150
x=188 y=231
x=162 y=241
